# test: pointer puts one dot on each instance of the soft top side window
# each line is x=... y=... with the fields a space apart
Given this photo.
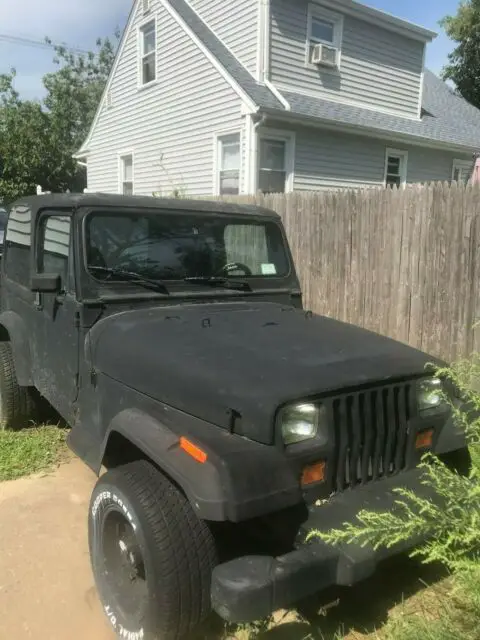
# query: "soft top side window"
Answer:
x=18 y=242
x=53 y=247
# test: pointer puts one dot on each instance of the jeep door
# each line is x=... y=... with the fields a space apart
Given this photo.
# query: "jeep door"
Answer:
x=56 y=338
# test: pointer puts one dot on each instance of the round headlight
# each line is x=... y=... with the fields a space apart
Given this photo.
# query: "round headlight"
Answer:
x=301 y=422
x=430 y=396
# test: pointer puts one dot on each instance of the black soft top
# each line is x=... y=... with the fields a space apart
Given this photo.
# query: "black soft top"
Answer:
x=76 y=200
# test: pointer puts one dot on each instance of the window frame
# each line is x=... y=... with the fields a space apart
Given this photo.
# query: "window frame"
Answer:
x=217 y=159
x=282 y=136
x=69 y=285
x=142 y=29
x=121 y=158
x=315 y=12
x=402 y=154
x=460 y=165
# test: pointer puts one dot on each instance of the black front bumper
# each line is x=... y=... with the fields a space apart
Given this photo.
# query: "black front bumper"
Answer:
x=251 y=587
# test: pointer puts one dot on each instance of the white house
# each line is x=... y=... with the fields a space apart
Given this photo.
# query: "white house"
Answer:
x=235 y=96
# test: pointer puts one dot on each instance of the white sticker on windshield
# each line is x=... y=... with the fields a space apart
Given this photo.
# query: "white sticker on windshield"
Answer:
x=269 y=269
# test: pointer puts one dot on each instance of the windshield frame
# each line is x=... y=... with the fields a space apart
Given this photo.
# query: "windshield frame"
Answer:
x=94 y=288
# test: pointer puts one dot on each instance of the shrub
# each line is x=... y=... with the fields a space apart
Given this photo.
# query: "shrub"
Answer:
x=451 y=526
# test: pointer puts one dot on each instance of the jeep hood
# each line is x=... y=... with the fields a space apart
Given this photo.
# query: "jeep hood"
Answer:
x=211 y=359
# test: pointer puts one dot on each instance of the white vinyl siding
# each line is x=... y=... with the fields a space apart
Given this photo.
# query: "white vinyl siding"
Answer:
x=170 y=127
x=379 y=69
x=329 y=160
x=235 y=23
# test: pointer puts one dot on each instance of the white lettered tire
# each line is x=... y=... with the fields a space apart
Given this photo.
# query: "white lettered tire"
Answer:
x=152 y=558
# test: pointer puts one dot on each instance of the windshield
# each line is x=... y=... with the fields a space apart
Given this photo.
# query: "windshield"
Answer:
x=176 y=246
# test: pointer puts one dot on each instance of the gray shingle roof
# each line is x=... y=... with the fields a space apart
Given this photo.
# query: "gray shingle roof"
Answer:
x=446 y=119
x=258 y=93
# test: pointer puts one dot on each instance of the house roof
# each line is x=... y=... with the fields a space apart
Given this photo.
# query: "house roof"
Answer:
x=258 y=93
x=446 y=118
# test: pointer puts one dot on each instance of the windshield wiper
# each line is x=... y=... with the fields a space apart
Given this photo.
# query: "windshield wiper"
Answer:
x=213 y=281
x=132 y=276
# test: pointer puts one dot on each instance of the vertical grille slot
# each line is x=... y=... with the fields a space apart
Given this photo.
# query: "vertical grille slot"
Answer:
x=371 y=430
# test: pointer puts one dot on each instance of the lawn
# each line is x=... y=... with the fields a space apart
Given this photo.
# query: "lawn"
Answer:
x=30 y=451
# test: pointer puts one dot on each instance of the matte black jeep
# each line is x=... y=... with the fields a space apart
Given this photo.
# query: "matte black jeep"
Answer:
x=170 y=336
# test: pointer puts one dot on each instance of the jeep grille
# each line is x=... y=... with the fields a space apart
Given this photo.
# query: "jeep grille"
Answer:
x=371 y=428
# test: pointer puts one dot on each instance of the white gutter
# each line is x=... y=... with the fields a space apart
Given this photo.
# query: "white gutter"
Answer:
x=277 y=94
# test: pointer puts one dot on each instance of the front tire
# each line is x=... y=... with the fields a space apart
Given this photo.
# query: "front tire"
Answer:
x=152 y=558
x=17 y=408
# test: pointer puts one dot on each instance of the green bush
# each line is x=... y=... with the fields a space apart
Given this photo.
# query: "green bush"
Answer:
x=450 y=526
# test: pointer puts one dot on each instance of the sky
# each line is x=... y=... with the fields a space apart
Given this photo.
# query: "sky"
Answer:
x=79 y=23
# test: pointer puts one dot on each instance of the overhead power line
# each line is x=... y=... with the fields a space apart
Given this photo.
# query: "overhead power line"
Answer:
x=38 y=44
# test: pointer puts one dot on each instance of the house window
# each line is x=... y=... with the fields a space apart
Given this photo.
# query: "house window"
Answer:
x=395 y=168
x=324 y=27
x=272 y=172
x=462 y=171
x=148 y=52
x=228 y=163
x=126 y=175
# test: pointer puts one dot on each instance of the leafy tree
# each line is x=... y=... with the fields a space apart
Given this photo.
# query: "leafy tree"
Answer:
x=73 y=94
x=24 y=144
x=464 y=61
x=38 y=138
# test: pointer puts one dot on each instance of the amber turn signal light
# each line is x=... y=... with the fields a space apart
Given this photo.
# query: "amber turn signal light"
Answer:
x=424 y=439
x=313 y=473
x=195 y=452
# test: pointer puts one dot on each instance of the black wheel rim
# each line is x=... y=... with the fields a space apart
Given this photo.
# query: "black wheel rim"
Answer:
x=124 y=566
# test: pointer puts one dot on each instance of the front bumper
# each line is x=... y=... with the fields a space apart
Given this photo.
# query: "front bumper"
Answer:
x=251 y=587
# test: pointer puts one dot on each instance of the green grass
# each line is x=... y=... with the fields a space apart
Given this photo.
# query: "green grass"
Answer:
x=30 y=451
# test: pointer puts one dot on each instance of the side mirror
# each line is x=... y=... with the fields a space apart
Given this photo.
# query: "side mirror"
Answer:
x=46 y=283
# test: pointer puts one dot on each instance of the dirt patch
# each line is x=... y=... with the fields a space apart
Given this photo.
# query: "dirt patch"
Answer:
x=47 y=590
x=46 y=586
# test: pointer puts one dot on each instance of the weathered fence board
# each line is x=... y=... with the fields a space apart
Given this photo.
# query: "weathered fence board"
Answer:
x=404 y=263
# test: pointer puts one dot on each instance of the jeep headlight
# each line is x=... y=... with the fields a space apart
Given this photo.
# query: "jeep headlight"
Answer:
x=430 y=396
x=302 y=421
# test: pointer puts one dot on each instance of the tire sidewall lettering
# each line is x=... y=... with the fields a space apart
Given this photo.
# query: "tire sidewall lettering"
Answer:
x=107 y=500
x=120 y=630
x=112 y=497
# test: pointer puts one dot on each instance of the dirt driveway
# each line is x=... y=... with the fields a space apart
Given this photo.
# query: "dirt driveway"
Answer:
x=47 y=592
x=46 y=587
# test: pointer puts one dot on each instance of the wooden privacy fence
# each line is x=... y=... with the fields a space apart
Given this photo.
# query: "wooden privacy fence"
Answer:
x=404 y=263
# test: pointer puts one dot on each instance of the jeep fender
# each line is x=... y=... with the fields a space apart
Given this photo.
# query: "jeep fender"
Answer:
x=200 y=482
x=17 y=330
x=240 y=479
